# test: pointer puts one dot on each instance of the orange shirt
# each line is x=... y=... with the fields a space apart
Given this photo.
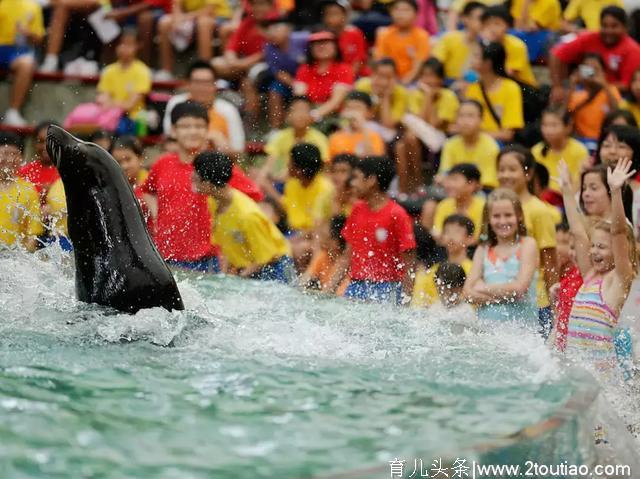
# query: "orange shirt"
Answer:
x=323 y=268
x=353 y=142
x=285 y=5
x=588 y=118
x=406 y=49
x=217 y=122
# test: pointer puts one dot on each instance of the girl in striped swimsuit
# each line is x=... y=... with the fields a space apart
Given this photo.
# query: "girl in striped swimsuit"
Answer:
x=607 y=262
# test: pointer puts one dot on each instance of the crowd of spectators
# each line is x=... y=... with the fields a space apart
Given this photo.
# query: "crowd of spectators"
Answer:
x=410 y=156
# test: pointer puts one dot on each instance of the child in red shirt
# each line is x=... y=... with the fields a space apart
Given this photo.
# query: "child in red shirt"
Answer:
x=570 y=282
x=128 y=151
x=182 y=220
x=380 y=241
x=324 y=79
x=41 y=172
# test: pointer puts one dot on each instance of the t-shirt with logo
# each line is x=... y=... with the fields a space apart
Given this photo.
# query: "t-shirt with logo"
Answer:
x=621 y=60
x=378 y=239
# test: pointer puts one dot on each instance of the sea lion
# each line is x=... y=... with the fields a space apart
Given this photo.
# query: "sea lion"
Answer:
x=116 y=262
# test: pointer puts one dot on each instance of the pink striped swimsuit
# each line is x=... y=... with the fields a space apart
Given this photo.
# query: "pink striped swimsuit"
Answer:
x=591 y=326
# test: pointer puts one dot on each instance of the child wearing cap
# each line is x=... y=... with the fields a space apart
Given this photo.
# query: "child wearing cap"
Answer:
x=324 y=78
x=404 y=42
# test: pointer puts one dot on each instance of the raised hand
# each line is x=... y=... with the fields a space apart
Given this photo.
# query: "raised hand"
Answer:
x=566 y=184
x=620 y=174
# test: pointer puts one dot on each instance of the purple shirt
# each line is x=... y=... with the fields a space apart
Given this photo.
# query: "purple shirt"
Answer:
x=289 y=60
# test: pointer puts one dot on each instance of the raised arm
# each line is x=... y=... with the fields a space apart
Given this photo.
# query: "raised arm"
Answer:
x=580 y=236
x=619 y=242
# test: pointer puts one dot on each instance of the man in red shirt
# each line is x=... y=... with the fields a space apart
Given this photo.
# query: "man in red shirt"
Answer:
x=245 y=46
x=245 y=51
x=40 y=171
x=381 y=245
x=353 y=44
x=182 y=220
x=619 y=51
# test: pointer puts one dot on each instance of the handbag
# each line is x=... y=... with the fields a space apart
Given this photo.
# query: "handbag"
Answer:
x=88 y=116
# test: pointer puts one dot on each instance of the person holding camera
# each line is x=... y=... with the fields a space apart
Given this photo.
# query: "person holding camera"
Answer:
x=591 y=97
x=620 y=52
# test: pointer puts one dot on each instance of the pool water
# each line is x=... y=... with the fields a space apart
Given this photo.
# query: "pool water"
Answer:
x=253 y=380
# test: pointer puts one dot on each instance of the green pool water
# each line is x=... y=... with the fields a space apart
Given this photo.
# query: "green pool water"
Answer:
x=254 y=380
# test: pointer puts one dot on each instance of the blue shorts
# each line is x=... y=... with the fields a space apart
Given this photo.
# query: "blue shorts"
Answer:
x=281 y=89
x=385 y=292
x=9 y=53
x=281 y=270
x=204 y=265
x=545 y=317
x=62 y=241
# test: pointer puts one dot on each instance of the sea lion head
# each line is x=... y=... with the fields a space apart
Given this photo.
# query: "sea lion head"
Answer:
x=75 y=158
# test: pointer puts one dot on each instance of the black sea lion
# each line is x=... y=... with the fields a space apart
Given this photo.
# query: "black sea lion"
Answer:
x=117 y=264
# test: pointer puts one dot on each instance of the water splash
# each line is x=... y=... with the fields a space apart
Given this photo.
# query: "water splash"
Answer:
x=252 y=377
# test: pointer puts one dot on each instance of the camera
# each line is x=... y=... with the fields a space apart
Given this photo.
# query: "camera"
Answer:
x=587 y=71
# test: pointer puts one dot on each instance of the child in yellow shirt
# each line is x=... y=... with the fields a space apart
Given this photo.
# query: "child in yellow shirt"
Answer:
x=496 y=23
x=461 y=184
x=21 y=27
x=558 y=144
x=453 y=48
x=588 y=11
x=20 y=217
x=471 y=145
x=500 y=97
x=457 y=235
x=251 y=244
x=308 y=193
x=307 y=200
x=126 y=82
x=431 y=101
